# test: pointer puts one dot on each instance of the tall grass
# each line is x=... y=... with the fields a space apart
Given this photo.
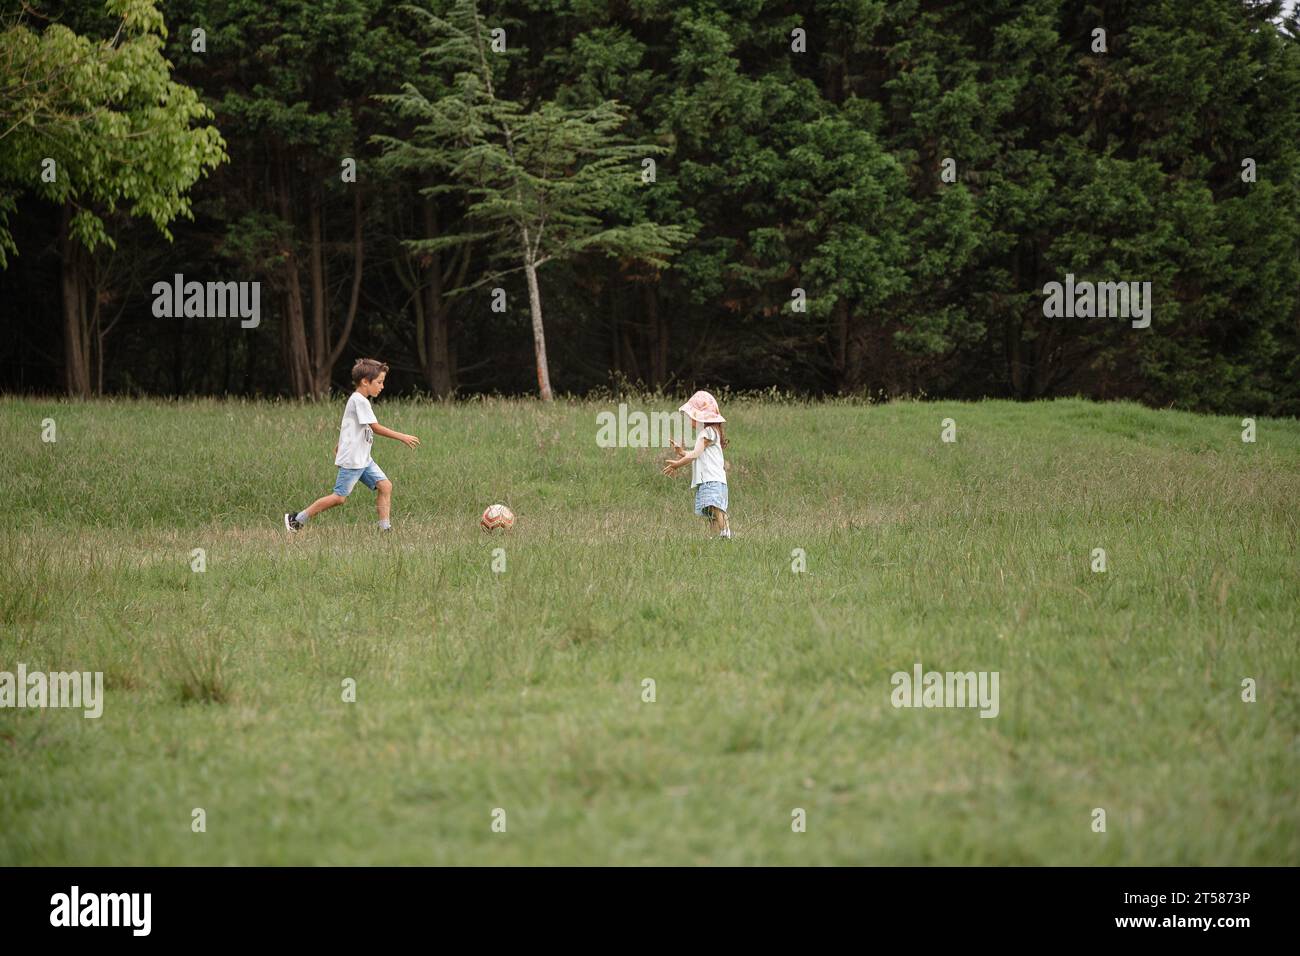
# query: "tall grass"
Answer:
x=523 y=690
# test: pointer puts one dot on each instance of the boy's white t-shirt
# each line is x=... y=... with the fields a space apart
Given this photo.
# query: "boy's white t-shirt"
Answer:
x=709 y=466
x=355 y=436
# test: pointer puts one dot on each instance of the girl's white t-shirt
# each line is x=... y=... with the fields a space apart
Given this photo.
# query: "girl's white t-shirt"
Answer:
x=709 y=466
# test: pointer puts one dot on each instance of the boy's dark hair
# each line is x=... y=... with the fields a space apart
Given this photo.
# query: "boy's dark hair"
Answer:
x=367 y=369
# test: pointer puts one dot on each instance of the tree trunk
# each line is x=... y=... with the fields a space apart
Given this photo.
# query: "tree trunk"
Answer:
x=225 y=351
x=1013 y=348
x=295 y=338
x=76 y=371
x=839 y=354
x=325 y=369
x=629 y=350
x=437 y=362
x=97 y=336
x=1014 y=327
x=615 y=332
x=437 y=374
x=539 y=337
x=847 y=357
x=659 y=328
x=1044 y=360
x=320 y=344
x=178 y=356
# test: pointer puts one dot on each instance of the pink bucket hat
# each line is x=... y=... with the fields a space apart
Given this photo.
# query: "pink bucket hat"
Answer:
x=703 y=408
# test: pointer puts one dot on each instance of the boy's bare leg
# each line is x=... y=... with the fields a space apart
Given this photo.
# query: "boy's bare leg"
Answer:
x=324 y=504
x=383 y=498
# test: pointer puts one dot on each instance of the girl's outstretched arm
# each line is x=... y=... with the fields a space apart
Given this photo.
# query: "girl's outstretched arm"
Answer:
x=672 y=464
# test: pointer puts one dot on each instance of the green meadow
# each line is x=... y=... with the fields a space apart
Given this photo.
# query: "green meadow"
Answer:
x=518 y=694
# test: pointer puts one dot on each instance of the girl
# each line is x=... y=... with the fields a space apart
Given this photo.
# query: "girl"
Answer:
x=708 y=470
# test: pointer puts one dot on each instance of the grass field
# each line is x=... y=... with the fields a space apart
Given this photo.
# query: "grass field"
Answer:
x=522 y=690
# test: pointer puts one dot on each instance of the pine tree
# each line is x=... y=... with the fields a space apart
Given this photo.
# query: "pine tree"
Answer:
x=540 y=183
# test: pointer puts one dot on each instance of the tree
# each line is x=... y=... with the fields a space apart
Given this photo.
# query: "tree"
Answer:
x=921 y=170
x=538 y=183
x=291 y=86
x=93 y=124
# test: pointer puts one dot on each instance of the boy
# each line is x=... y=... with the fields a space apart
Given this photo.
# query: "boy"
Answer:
x=352 y=453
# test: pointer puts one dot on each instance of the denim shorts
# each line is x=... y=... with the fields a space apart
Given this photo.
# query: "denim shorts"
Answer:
x=370 y=476
x=710 y=494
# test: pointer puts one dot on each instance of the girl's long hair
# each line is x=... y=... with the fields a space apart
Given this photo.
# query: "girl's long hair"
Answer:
x=722 y=431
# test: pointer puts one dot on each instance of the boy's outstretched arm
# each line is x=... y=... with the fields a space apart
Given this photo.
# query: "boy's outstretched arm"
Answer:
x=410 y=441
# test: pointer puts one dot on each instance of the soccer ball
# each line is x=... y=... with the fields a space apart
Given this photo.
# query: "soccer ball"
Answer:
x=497 y=516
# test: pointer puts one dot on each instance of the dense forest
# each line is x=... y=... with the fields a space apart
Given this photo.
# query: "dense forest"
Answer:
x=843 y=197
